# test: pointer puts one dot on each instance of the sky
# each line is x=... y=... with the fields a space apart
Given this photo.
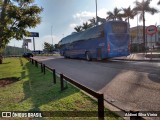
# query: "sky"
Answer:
x=59 y=17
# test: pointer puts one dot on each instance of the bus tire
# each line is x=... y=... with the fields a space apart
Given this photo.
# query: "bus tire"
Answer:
x=64 y=54
x=88 y=56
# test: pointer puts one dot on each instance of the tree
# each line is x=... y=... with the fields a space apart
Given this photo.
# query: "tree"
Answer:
x=101 y=20
x=48 y=47
x=56 y=46
x=128 y=13
x=158 y=3
x=115 y=15
x=78 y=28
x=142 y=8
x=92 y=21
x=86 y=25
x=15 y=17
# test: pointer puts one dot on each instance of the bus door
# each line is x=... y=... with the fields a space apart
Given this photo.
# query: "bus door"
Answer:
x=99 y=53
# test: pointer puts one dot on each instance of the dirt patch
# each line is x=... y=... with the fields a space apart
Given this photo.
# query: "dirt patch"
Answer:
x=6 y=81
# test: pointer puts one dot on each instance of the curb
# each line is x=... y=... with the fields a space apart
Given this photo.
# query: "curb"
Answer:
x=138 y=60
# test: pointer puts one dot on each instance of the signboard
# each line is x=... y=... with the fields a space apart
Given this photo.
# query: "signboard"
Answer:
x=27 y=40
x=25 y=43
x=34 y=34
x=151 y=30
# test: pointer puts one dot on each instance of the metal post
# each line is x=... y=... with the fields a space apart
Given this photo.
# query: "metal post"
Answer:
x=33 y=44
x=51 y=34
x=32 y=61
x=96 y=13
x=44 y=71
x=41 y=67
x=35 y=63
x=54 y=76
x=101 y=107
x=151 y=47
x=61 y=80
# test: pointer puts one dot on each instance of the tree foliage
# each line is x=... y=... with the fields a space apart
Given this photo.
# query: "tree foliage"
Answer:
x=141 y=8
x=90 y=23
x=15 y=17
x=86 y=25
x=48 y=47
x=93 y=21
x=128 y=13
x=115 y=15
x=78 y=28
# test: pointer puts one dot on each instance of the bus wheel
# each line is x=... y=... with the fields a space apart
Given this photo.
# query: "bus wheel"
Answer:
x=64 y=54
x=88 y=56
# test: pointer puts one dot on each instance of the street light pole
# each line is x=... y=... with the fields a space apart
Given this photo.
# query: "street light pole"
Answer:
x=96 y=13
x=51 y=34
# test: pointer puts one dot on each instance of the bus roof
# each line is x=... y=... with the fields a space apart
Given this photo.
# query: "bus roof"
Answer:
x=84 y=35
x=93 y=32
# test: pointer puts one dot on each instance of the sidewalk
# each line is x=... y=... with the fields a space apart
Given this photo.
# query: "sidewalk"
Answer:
x=152 y=57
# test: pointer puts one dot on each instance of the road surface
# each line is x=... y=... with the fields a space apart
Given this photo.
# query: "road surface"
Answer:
x=127 y=85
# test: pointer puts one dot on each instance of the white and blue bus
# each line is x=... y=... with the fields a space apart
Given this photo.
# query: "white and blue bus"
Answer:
x=108 y=40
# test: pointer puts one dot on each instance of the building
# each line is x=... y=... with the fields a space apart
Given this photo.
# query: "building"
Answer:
x=136 y=36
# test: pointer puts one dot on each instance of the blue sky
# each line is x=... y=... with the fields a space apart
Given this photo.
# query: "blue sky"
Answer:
x=63 y=15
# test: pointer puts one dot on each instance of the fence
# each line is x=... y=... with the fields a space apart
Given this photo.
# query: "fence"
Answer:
x=63 y=77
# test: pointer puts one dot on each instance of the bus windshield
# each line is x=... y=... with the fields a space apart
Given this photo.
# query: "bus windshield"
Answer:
x=119 y=28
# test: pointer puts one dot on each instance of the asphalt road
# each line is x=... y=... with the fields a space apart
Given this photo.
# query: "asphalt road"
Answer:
x=128 y=85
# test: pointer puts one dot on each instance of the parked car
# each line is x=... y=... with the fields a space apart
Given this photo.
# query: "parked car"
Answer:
x=27 y=55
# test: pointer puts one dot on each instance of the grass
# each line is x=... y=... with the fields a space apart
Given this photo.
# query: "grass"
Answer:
x=36 y=92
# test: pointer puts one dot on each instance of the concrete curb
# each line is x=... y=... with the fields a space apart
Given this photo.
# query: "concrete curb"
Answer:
x=138 y=60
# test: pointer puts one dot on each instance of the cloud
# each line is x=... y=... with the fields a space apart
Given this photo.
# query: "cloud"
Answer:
x=84 y=16
x=88 y=14
x=125 y=3
x=73 y=25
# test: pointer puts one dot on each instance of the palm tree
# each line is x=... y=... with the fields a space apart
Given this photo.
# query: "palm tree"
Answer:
x=86 y=25
x=101 y=20
x=128 y=13
x=92 y=21
x=78 y=28
x=115 y=15
x=142 y=8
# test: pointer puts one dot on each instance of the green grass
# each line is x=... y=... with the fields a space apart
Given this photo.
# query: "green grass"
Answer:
x=36 y=92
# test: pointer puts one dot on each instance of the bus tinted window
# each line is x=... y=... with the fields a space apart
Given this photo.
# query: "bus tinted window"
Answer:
x=94 y=32
x=119 y=28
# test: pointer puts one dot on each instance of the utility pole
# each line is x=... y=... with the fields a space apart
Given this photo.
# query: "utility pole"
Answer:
x=51 y=35
x=137 y=33
x=96 y=13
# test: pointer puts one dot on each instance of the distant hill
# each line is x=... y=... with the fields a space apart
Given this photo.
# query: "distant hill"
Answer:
x=10 y=50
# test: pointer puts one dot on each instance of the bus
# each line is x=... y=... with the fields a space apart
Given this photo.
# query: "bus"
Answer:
x=107 y=40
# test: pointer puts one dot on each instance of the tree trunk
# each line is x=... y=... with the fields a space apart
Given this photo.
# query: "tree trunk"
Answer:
x=144 y=30
x=2 y=25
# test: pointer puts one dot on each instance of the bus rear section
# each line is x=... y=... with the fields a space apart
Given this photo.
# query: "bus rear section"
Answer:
x=118 y=39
